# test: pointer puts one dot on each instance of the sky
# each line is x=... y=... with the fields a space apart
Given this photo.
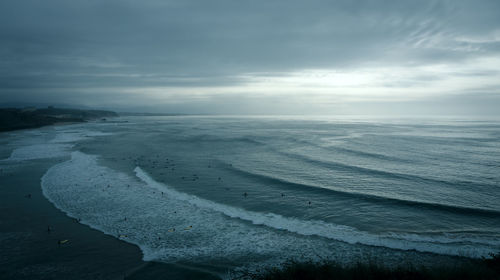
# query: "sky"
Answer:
x=400 y=57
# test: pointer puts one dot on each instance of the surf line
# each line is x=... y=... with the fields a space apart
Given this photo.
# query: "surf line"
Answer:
x=314 y=227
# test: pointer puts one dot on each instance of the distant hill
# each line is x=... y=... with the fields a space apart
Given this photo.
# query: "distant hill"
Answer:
x=139 y=114
x=14 y=118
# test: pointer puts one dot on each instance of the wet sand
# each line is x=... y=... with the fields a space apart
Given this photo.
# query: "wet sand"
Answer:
x=30 y=251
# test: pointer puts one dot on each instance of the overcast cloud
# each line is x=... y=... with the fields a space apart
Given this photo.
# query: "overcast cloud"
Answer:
x=261 y=57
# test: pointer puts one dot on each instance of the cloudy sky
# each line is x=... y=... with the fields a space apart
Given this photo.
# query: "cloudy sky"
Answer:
x=254 y=57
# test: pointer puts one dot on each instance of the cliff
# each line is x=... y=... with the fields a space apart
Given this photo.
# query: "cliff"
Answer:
x=14 y=118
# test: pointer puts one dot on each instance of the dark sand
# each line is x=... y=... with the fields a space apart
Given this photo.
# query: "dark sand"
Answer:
x=29 y=251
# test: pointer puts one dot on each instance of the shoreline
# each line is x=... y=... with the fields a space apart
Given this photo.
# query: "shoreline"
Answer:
x=31 y=251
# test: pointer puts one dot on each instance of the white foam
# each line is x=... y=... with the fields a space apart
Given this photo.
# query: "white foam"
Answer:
x=40 y=151
x=68 y=137
x=71 y=136
x=35 y=146
x=451 y=244
x=79 y=187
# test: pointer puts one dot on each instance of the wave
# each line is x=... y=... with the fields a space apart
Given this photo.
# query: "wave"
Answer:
x=59 y=146
x=364 y=196
x=144 y=212
x=322 y=146
x=357 y=153
x=311 y=227
x=72 y=136
x=364 y=154
x=384 y=174
x=167 y=226
x=214 y=138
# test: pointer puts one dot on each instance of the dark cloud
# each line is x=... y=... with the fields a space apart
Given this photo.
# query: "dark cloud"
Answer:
x=75 y=45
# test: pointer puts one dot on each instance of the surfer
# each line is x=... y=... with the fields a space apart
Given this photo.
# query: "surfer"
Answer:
x=245 y=194
x=60 y=242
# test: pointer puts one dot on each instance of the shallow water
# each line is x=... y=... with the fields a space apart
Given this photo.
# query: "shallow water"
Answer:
x=246 y=192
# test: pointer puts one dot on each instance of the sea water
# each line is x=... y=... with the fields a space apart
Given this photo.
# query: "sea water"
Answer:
x=233 y=193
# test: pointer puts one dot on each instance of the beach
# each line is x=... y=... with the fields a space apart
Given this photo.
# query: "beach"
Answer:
x=30 y=251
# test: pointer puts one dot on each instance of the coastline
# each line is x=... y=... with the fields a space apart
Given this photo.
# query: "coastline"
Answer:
x=30 y=251
x=13 y=119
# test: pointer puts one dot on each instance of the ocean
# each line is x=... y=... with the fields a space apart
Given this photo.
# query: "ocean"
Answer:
x=226 y=194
